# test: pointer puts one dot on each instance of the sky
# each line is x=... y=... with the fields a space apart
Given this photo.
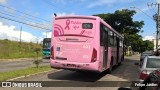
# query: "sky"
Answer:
x=41 y=13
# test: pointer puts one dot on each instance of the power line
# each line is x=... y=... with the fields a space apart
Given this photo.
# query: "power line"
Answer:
x=21 y=18
x=143 y=12
x=24 y=23
x=53 y=5
x=150 y=5
x=24 y=13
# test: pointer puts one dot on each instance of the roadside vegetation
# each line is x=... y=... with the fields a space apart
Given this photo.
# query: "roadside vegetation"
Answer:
x=13 y=49
x=23 y=72
x=122 y=21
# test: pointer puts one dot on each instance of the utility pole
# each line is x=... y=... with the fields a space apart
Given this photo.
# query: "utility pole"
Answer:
x=156 y=18
x=20 y=34
x=158 y=26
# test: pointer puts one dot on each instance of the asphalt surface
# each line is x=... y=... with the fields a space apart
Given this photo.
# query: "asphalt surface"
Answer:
x=19 y=64
x=87 y=80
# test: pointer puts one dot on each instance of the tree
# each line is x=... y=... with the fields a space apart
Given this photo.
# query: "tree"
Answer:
x=37 y=50
x=122 y=21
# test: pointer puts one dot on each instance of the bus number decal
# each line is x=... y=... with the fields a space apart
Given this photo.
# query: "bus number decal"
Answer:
x=59 y=53
x=85 y=56
x=86 y=46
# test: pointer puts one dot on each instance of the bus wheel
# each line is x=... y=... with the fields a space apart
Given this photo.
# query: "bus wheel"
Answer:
x=78 y=71
x=111 y=67
x=120 y=62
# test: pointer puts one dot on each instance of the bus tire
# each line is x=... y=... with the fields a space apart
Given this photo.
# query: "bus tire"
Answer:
x=122 y=58
x=111 y=67
x=120 y=62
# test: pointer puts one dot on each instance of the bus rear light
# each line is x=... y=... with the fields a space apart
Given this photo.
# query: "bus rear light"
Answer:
x=52 y=52
x=94 y=55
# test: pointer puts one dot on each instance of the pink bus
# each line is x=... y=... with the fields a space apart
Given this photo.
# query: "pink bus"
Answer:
x=85 y=43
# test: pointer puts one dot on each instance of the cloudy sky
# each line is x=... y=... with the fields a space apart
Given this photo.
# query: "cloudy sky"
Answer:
x=41 y=12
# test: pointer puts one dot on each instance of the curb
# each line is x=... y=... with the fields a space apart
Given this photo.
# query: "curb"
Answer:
x=30 y=75
x=19 y=59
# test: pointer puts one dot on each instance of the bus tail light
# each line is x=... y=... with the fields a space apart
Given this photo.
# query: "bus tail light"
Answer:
x=94 y=55
x=52 y=52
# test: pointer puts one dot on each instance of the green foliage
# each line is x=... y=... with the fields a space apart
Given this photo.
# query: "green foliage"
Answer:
x=149 y=45
x=37 y=50
x=12 y=74
x=36 y=62
x=122 y=21
x=138 y=45
x=13 y=49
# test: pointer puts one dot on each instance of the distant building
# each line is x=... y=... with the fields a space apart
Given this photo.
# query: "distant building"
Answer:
x=154 y=41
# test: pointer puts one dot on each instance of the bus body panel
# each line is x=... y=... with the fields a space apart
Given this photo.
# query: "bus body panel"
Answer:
x=112 y=50
x=73 y=47
x=46 y=47
x=75 y=65
x=76 y=52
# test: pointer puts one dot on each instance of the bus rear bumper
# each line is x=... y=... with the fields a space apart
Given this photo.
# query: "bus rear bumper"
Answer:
x=75 y=66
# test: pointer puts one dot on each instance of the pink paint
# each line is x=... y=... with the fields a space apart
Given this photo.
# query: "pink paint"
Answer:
x=67 y=24
x=56 y=33
x=80 y=48
x=75 y=27
x=58 y=30
x=76 y=22
x=82 y=32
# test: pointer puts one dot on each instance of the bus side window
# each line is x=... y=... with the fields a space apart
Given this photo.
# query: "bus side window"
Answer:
x=115 y=40
x=111 y=39
x=121 y=43
x=101 y=34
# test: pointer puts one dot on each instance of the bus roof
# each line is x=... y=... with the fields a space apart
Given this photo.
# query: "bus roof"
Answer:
x=76 y=16
x=90 y=17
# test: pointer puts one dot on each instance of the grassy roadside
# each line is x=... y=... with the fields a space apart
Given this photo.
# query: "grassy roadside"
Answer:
x=23 y=72
x=21 y=59
x=13 y=49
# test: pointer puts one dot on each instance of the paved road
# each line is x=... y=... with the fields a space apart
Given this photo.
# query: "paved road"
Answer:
x=16 y=65
x=126 y=72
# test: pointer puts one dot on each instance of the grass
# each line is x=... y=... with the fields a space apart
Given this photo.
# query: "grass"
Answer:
x=23 y=72
x=13 y=49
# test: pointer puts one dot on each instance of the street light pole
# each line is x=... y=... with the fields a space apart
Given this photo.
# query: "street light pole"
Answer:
x=157 y=28
x=155 y=18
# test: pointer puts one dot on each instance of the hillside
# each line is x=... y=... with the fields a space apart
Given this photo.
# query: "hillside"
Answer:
x=13 y=49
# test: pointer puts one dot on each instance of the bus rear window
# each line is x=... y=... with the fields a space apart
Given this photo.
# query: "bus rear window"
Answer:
x=87 y=25
x=74 y=26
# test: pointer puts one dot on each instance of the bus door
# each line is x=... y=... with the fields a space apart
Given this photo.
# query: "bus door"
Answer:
x=105 y=54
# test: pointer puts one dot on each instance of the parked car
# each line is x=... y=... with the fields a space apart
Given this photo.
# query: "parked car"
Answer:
x=152 y=82
x=157 y=52
x=153 y=79
x=144 y=54
x=148 y=65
